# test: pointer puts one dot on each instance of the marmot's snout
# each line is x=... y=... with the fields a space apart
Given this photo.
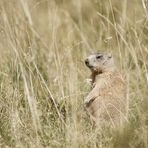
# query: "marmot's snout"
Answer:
x=88 y=63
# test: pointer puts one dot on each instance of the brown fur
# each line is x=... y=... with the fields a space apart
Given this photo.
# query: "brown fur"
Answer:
x=106 y=103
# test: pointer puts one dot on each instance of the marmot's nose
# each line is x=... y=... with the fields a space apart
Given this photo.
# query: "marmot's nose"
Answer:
x=86 y=62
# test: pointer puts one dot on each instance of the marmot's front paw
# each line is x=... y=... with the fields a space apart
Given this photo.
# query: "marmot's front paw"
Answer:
x=89 y=81
x=87 y=101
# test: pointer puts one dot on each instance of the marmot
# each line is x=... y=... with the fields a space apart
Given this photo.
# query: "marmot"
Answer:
x=106 y=103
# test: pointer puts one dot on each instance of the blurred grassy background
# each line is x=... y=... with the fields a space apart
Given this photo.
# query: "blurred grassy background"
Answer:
x=43 y=44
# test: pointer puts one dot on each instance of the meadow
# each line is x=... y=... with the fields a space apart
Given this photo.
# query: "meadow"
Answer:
x=43 y=44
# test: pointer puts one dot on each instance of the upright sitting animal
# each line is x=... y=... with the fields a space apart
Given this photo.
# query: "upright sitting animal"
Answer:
x=106 y=103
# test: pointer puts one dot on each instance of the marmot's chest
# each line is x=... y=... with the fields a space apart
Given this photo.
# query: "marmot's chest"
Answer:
x=113 y=86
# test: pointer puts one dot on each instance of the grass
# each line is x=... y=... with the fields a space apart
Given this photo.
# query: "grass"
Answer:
x=42 y=74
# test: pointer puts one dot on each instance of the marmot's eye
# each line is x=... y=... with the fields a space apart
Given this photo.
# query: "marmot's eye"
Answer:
x=99 y=56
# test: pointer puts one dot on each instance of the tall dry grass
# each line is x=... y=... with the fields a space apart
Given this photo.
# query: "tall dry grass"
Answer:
x=42 y=75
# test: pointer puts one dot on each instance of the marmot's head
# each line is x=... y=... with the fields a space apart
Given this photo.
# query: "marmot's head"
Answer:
x=100 y=62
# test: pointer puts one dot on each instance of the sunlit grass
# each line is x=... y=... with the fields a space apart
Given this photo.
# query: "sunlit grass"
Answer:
x=42 y=74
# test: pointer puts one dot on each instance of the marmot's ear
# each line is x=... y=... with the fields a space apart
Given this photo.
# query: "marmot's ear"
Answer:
x=109 y=55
